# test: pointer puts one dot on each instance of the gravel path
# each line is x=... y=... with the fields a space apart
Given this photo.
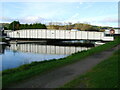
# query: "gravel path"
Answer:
x=60 y=76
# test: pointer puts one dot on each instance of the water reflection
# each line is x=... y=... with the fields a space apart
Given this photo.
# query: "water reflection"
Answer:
x=20 y=54
x=2 y=49
x=46 y=49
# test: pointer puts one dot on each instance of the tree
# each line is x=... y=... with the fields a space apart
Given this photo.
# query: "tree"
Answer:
x=15 y=25
x=5 y=28
x=33 y=26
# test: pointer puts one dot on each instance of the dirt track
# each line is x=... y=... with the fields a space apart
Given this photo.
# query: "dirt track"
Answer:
x=60 y=76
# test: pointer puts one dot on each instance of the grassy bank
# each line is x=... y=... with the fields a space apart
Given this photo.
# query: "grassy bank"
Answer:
x=2 y=39
x=26 y=71
x=103 y=75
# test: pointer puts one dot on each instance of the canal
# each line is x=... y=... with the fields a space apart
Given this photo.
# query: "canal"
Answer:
x=16 y=55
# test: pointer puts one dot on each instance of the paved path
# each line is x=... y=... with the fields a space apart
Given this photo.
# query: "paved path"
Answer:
x=60 y=76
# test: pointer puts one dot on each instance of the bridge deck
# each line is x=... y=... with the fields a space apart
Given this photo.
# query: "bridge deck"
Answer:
x=59 y=34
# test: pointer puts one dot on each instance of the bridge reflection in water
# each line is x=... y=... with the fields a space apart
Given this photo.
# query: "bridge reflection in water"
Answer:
x=18 y=54
x=47 y=49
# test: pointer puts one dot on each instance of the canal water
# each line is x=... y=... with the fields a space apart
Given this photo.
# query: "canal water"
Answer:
x=16 y=55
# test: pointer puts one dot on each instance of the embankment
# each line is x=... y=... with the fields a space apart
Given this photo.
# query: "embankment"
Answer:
x=103 y=75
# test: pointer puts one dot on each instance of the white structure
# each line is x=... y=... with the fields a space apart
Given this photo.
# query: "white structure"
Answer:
x=59 y=34
x=116 y=31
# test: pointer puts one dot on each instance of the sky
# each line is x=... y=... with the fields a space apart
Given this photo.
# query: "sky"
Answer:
x=95 y=13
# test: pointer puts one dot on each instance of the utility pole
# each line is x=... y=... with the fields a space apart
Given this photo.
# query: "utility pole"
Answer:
x=13 y=26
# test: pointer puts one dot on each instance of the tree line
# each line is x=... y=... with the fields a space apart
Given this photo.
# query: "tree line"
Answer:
x=15 y=25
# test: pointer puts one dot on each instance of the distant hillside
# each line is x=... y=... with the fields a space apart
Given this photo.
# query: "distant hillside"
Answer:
x=79 y=26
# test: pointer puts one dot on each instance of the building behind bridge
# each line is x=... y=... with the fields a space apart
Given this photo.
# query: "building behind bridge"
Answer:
x=114 y=32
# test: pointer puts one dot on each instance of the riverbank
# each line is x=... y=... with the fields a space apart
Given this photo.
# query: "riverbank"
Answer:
x=3 y=41
x=26 y=71
x=103 y=75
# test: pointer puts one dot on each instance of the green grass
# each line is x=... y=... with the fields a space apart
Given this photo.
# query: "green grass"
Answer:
x=2 y=40
x=103 y=75
x=36 y=68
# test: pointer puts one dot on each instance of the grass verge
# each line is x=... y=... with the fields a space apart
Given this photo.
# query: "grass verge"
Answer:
x=103 y=75
x=2 y=39
x=29 y=70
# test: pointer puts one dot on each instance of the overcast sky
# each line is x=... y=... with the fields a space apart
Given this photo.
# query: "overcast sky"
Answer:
x=95 y=13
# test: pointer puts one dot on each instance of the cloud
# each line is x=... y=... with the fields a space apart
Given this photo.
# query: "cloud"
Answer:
x=31 y=19
x=109 y=20
x=6 y=19
x=27 y=19
x=105 y=20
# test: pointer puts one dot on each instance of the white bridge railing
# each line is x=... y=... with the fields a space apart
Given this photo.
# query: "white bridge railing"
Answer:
x=59 y=34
